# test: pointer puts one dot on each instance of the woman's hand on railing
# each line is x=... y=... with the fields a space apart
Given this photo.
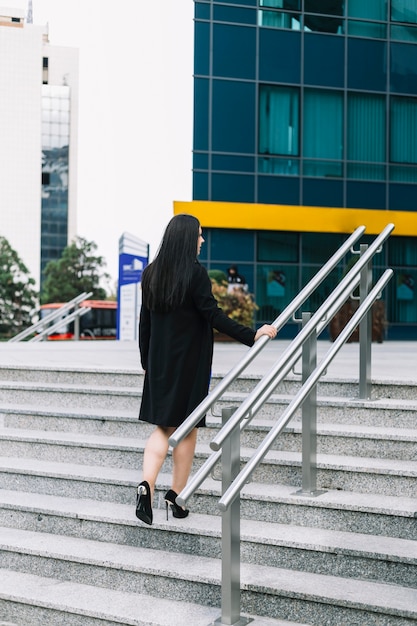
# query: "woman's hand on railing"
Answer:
x=266 y=329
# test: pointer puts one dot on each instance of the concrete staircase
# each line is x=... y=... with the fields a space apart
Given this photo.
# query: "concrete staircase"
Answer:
x=72 y=551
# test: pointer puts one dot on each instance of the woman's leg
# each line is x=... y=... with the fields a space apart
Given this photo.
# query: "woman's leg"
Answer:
x=183 y=456
x=156 y=450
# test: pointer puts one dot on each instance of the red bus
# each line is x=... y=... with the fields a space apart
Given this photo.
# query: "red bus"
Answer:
x=99 y=323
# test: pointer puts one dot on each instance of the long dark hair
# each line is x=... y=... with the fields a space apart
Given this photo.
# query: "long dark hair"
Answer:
x=165 y=281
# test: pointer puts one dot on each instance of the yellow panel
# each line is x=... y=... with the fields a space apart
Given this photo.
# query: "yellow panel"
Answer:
x=297 y=218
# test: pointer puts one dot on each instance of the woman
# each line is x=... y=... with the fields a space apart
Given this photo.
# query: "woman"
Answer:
x=177 y=316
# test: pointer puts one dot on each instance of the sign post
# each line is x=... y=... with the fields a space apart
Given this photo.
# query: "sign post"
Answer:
x=133 y=258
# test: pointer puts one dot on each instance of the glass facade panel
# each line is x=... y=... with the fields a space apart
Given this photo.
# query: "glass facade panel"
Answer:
x=366 y=127
x=369 y=9
x=232 y=246
x=275 y=246
x=229 y=97
x=202 y=59
x=278 y=19
x=323 y=58
x=403 y=76
x=403 y=139
x=235 y=15
x=294 y=5
x=226 y=162
x=323 y=124
x=278 y=190
x=366 y=171
x=404 y=33
x=404 y=11
x=358 y=28
x=201 y=114
x=273 y=165
x=276 y=287
x=321 y=192
x=278 y=121
x=361 y=195
x=317 y=248
x=372 y=75
x=234 y=51
x=233 y=187
x=279 y=56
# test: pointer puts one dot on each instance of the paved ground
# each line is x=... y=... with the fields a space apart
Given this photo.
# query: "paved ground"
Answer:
x=392 y=360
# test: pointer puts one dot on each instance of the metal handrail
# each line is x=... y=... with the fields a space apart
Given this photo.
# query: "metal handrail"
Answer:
x=52 y=316
x=234 y=490
x=254 y=402
x=194 y=417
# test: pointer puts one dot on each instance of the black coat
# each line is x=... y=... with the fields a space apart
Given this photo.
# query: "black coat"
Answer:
x=176 y=350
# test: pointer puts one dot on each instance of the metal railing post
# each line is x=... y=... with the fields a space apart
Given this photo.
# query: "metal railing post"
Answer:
x=365 y=331
x=309 y=417
x=231 y=532
x=77 y=323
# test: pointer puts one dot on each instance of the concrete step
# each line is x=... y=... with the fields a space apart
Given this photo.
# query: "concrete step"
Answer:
x=317 y=550
x=31 y=600
x=346 y=439
x=69 y=396
x=44 y=496
x=174 y=575
x=352 y=473
x=351 y=439
x=82 y=376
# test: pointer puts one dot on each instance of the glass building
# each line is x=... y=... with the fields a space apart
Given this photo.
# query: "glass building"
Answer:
x=55 y=170
x=305 y=127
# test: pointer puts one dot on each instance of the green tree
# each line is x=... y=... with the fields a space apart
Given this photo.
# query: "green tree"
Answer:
x=18 y=297
x=79 y=269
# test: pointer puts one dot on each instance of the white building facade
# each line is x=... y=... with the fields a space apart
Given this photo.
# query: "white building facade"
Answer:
x=38 y=141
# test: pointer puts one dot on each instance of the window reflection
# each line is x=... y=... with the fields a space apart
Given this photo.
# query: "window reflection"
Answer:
x=404 y=11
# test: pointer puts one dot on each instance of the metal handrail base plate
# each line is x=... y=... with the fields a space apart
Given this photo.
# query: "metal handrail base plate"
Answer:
x=241 y=622
x=309 y=494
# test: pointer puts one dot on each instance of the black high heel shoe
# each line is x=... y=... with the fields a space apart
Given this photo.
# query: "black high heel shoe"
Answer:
x=143 y=503
x=177 y=511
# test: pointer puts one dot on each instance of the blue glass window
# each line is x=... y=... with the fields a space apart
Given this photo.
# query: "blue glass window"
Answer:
x=234 y=51
x=367 y=64
x=202 y=51
x=278 y=190
x=319 y=192
x=233 y=188
x=233 y=246
x=201 y=113
x=235 y=15
x=233 y=117
x=279 y=19
x=323 y=124
x=324 y=60
x=200 y=160
x=202 y=11
x=200 y=186
x=403 y=68
x=403 y=140
x=278 y=120
x=368 y=9
x=231 y=163
x=366 y=134
x=277 y=246
x=366 y=195
x=402 y=197
x=279 y=56
x=249 y=3
x=404 y=11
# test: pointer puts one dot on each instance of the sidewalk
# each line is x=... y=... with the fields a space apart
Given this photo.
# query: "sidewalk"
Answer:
x=391 y=361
